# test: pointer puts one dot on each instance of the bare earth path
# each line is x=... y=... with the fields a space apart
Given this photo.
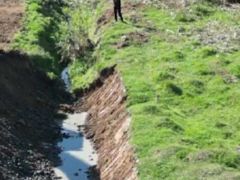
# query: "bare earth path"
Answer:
x=11 y=12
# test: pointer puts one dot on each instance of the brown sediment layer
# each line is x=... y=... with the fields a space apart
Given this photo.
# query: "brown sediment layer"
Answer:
x=108 y=126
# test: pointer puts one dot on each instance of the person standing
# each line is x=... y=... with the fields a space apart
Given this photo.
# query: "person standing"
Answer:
x=118 y=10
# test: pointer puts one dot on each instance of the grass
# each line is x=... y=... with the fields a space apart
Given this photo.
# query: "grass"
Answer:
x=185 y=113
x=40 y=34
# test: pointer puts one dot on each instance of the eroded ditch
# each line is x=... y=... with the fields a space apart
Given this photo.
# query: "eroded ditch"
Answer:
x=77 y=152
x=101 y=113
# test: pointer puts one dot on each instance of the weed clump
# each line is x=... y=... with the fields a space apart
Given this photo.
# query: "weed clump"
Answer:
x=203 y=10
x=184 y=16
x=208 y=51
x=172 y=88
x=163 y=75
x=197 y=86
x=151 y=109
x=168 y=123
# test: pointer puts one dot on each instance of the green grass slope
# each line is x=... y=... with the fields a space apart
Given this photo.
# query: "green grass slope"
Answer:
x=42 y=33
x=181 y=69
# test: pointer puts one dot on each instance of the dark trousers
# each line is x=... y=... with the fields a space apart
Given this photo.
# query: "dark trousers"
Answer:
x=117 y=9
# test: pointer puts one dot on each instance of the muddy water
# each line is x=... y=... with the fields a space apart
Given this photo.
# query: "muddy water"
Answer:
x=78 y=154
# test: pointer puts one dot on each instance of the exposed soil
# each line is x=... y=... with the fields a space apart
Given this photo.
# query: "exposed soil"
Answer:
x=11 y=12
x=108 y=127
x=29 y=104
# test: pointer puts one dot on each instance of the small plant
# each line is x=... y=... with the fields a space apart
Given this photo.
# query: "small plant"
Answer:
x=172 y=88
x=208 y=51
x=185 y=16
x=168 y=123
x=203 y=10
x=163 y=75
x=74 y=40
x=197 y=86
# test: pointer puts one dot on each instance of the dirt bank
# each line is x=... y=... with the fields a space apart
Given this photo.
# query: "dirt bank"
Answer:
x=29 y=104
x=108 y=126
x=11 y=12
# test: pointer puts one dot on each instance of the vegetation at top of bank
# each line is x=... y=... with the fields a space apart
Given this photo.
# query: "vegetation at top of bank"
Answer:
x=181 y=71
x=57 y=32
x=40 y=33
